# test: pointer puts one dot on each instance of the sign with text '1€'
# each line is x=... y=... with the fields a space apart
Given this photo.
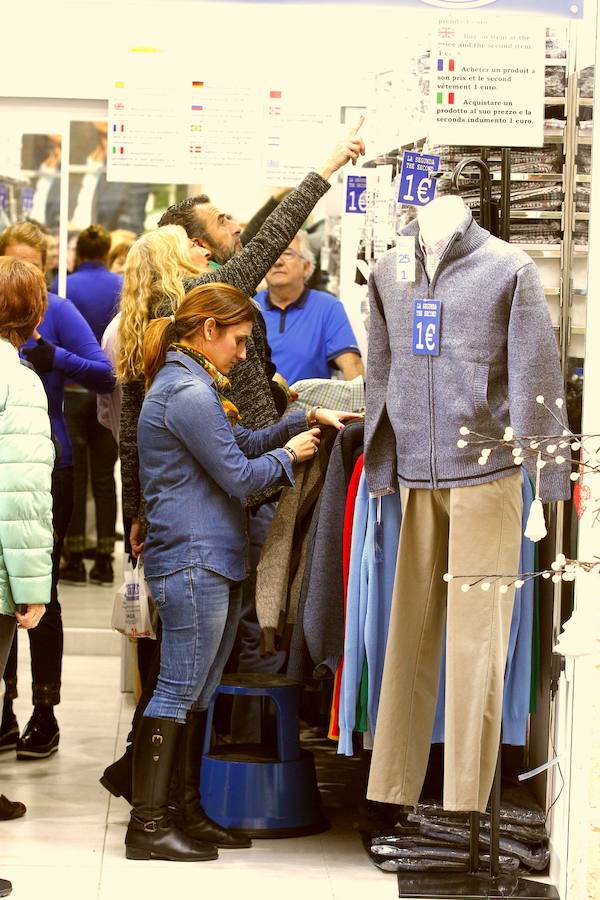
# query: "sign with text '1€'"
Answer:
x=417 y=187
x=356 y=194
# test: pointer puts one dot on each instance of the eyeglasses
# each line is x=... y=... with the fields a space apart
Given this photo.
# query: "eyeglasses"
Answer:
x=290 y=254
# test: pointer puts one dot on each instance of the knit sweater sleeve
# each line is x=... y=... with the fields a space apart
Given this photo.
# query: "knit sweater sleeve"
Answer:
x=133 y=398
x=533 y=370
x=380 y=442
x=248 y=268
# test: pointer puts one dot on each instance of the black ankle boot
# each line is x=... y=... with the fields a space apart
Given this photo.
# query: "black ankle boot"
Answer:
x=41 y=736
x=9 y=729
x=118 y=776
x=152 y=834
x=102 y=570
x=191 y=817
x=74 y=570
x=5 y=887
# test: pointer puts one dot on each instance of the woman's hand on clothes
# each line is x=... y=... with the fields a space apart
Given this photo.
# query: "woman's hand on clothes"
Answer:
x=31 y=618
x=350 y=148
x=306 y=444
x=136 y=538
x=334 y=417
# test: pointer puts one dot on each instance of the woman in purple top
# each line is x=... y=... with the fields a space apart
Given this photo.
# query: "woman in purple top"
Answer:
x=96 y=293
x=63 y=349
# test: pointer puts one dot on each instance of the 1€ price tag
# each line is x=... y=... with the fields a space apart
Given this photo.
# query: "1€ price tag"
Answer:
x=417 y=187
x=427 y=319
x=405 y=258
x=356 y=194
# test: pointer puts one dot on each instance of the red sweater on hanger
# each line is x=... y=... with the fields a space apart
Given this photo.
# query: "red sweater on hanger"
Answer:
x=334 y=729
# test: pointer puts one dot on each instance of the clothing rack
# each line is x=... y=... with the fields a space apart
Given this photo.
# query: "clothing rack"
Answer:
x=476 y=884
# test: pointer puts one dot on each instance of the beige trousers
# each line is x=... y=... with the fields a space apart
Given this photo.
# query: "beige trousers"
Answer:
x=476 y=531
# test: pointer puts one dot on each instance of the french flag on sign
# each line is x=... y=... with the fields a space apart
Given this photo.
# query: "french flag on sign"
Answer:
x=445 y=65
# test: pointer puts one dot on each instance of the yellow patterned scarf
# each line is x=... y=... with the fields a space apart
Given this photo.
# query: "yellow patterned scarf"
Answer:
x=222 y=384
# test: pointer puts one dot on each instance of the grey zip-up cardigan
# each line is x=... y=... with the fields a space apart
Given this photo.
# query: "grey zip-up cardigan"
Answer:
x=497 y=353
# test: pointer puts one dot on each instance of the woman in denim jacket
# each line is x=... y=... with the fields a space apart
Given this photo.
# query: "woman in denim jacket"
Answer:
x=197 y=464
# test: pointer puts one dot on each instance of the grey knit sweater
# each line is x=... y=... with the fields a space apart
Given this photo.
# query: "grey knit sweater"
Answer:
x=497 y=353
x=250 y=387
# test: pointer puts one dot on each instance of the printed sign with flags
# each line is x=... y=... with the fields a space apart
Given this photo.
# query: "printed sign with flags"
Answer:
x=566 y=8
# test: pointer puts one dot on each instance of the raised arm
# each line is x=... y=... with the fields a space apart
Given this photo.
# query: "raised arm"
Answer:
x=248 y=268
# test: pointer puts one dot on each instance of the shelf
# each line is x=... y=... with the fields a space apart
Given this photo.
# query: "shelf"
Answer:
x=583 y=179
x=559 y=61
x=582 y=217
x=585 y=101
x=552 y=137
x=555 y=101
x=532 y=176
x=552 y=291
x=540 y=251
x=535 y=214
x=584 y=138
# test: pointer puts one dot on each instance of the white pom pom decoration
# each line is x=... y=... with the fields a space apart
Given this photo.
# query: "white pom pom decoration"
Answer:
x=536 y=524
x=465 y=588
x=539 y=398
x=464 y=431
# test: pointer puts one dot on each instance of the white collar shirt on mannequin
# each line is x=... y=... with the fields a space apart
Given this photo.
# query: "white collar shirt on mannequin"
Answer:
x=438 y=222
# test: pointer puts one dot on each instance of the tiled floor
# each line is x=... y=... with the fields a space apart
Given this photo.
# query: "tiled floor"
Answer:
x=70 y=842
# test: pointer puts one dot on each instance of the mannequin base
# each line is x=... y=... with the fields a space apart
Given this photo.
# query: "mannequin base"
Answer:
x=480 y=886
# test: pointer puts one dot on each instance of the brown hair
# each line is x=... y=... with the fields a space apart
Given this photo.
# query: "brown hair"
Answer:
x=25 y=233
x=117 y=251
x=23 y=299
x=226 y=304
x=93 y=243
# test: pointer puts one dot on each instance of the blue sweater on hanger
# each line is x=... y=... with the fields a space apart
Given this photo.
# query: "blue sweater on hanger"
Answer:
x=375 y=535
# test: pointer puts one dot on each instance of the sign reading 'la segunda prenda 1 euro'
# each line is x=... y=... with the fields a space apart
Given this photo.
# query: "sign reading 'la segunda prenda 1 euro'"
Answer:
x=572 y=9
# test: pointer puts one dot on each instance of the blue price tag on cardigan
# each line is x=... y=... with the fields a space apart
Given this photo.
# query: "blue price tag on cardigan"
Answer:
x=427 y=319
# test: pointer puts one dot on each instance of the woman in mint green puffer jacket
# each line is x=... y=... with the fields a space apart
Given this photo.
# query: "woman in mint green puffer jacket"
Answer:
x=26 y=462
x=26 y=459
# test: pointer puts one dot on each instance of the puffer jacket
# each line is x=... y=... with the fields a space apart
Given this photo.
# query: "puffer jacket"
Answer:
x=26 y=462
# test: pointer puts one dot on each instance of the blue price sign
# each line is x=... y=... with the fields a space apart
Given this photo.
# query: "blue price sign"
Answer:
x=356 y=194
x=417 y=187
x=427 y=318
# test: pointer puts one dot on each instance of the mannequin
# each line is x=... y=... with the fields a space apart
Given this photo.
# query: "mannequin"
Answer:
x=494 y=351
x=440 y=218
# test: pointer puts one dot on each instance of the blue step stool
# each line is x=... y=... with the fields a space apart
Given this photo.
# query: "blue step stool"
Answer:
x=263 y=791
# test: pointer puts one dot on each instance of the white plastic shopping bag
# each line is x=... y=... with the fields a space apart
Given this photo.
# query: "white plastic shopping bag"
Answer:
x=131 y=611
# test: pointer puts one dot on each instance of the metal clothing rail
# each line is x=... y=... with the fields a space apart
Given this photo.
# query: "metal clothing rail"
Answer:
x=476 y=884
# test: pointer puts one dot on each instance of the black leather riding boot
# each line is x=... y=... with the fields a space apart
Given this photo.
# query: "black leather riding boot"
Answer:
x=192 y=818
x=152 y=834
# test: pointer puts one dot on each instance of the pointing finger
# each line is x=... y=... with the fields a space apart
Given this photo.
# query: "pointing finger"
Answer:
x=358 y=126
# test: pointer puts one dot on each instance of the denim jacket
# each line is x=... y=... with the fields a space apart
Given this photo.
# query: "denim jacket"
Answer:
x=195 y=471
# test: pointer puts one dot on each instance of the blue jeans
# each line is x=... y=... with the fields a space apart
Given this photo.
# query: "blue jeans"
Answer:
x=199 y=611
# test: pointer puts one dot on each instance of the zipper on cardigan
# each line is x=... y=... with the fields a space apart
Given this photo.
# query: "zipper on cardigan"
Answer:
x=430 y=295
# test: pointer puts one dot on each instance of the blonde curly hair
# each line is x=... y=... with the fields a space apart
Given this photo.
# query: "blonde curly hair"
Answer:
x=155 y=268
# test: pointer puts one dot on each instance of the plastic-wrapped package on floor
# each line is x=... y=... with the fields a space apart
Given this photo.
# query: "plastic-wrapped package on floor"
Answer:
x=510 y=813
x=393 y=857
x=536 y=859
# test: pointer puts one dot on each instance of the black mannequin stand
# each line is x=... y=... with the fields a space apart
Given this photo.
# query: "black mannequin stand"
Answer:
x=475 y=884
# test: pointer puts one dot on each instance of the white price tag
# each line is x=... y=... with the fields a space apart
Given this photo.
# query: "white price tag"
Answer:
x=405 y=258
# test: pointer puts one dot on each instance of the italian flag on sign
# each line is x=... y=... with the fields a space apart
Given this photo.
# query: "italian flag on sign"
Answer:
x=445 y=98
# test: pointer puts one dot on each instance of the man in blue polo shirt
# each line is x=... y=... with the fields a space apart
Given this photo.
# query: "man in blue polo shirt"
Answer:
x=308 y=331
